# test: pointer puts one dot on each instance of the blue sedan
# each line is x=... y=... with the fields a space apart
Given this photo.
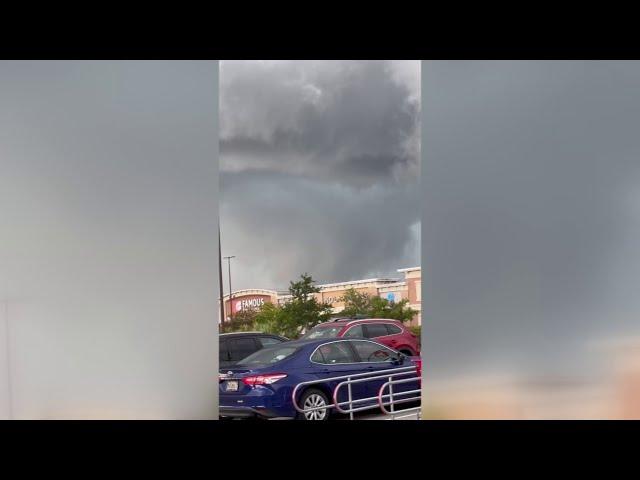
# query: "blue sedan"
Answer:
x=261 y=385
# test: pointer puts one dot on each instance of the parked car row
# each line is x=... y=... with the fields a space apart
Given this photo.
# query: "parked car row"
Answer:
x=233 y=347
x=261 y=383
x=391 y=333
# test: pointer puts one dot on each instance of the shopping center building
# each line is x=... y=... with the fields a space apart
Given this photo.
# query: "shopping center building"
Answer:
x=248 y=299
x=393 y=289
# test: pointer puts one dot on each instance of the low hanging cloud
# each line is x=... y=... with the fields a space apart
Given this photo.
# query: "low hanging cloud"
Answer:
x=280 y=226
x=319 y=169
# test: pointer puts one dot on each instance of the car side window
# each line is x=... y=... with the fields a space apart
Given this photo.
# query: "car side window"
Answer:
x=223 y=352
x=370 y=352
x=393 y=329
x=355 y=331
x=240 y=348
x=269 y=341
x=333 y=353
x=317 y=357
x=374 y=330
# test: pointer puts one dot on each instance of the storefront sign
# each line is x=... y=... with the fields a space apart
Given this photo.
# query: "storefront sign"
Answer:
x=248 y=303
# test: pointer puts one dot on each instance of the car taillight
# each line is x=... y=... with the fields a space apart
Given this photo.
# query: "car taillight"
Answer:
x=418 y=367
x=267 y=379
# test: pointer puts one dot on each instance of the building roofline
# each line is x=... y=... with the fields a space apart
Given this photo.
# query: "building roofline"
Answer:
x=401 y=283
x=352 y=282
x=410 y=269
x=263 y=291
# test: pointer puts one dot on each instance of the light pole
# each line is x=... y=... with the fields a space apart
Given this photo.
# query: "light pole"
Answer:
x=222 y=319
x=228 y=259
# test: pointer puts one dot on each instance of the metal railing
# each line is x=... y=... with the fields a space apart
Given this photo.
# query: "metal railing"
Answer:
x=392 y=402
x=380 y=401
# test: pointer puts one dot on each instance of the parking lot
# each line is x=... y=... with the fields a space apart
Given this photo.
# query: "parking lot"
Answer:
x=322 y=373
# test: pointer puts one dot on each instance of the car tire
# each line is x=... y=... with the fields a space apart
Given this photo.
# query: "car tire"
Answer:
x=314 y=398
x=406 y=352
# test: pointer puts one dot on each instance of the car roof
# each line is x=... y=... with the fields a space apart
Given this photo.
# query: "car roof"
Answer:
x=319 y=341
x=351 y=321
x=307 y=341
x=304 y=342
x=249 y=333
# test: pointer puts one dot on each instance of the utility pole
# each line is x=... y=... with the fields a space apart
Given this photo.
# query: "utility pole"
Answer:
x=222 y=317
x=228 y=259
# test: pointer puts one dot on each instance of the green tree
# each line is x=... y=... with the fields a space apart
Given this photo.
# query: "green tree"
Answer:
x=383 y=308
x=270 y=319
x=243 y=321
x=356 y=303
x=303 y=311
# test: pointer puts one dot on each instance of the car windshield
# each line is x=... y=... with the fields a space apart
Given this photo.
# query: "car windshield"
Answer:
x=322 y=332
x=268 y=356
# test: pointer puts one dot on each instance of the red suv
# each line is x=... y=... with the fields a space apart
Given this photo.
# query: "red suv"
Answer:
x=391 y=333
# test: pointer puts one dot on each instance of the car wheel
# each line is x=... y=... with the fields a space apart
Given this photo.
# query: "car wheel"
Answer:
x=313 y=398
x=406 y=352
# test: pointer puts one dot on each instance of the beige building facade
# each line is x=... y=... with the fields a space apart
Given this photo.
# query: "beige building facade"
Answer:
x=248 y=299
x=393 y=289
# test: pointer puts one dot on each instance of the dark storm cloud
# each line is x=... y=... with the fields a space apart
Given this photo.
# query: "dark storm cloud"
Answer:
x=320 y=165
x=351 y=122
x=281 y=226
x=531 y=186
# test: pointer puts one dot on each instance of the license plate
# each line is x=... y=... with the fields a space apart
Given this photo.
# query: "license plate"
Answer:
x=232 y=386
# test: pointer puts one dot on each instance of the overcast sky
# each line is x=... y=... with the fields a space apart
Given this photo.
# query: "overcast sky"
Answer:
x=531 y=204
x=319 y=169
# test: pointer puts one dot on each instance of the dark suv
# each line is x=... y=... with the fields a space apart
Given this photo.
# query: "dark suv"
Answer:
x=236 y=346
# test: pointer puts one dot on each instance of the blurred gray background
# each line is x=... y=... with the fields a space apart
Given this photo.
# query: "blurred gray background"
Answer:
x=108 y=239
x=531 y=218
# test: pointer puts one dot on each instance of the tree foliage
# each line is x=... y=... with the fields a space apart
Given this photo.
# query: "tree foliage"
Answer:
x=243 y=321
x=356 y=303
x=270 y=319
x=303 y=311
x=300 y=313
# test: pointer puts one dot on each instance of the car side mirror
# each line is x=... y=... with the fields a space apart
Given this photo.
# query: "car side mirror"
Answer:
x=398 y=359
